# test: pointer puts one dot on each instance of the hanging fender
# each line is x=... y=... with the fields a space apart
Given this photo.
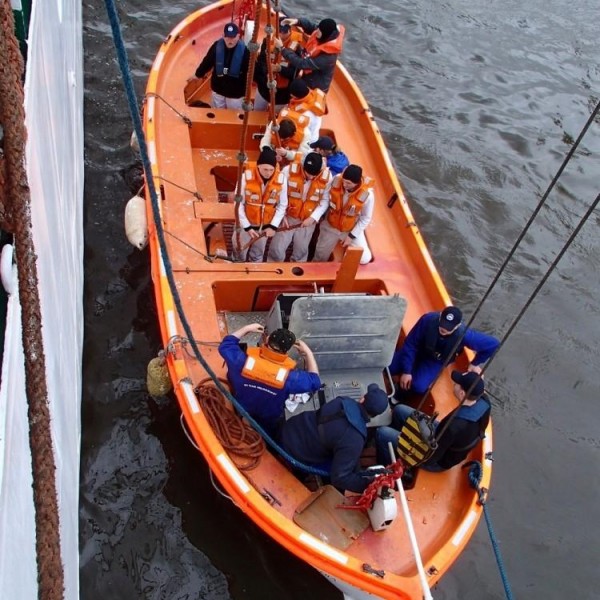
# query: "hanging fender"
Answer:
x=136 y=224
x=6 y=268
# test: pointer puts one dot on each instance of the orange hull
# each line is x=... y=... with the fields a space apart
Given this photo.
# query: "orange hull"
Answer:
x=193 y=168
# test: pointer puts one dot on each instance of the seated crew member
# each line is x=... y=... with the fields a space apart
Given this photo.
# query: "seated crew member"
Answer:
x=351 y=202
x=319 y=58
x=283 y=73
x=264 y=377
x=337 y=161
x=429 y=345
x=294 y=136
x=308 y=183
x=263 y=206
x=310 y=103
x=467 y=425
x=228 y=58
x=334 y=436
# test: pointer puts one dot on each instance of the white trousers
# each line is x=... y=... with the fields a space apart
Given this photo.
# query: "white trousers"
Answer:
x=253 y=253
x=219 y=101
x=300 y=237
x=261 y=104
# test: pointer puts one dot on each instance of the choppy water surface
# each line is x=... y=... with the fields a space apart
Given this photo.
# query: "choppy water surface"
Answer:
x=478 y=102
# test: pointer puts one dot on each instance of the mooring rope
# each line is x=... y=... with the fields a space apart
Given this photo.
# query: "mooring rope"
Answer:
x=475 y=473
x=17 y=219
x=137 y=123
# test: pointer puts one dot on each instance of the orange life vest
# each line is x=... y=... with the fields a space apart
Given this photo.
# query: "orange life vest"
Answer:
x=313 y=48
x=301 y=123
x=260 y=204
x=344 y=217
x=292 y=43
x=314 y=102
x=267 y=366
x=298 y=207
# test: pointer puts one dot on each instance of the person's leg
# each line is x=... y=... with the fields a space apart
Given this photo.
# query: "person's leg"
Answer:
x=383 y=437
x=361 y=242
x=256 y=252
x=239 y=242
x=234 y=103
x=328 y=238
x=399 y=415
x=424 y=374
x=279 y=244
x=302 y=237
x=260 y=103
x=218 y=101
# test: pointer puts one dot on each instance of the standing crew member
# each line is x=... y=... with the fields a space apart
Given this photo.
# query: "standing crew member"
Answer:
x=308 y=183
x=320 y=54
x=263 y=205
x=429 y=345
x=334 y=436
x=264 y=377
x=228 y=58
x=351 y=204
x=310 y=103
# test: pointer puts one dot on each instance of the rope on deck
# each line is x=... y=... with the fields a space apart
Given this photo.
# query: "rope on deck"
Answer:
x=160 y=234
x=16 y=217
x=475 y=472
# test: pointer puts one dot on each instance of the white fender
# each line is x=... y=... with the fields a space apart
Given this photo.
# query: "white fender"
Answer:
x=7 y=273
x=134 y=144
x=136 y=224
x=248 y=31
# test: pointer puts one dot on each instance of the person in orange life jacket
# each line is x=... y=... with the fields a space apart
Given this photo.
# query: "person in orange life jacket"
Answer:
x=308 y=183
x=263 y=205
x=350 y=211
x=429 y=344
x=293 y=140
x=467 y=425
x=320 y=54
x=263 y=378
x=310 y=103
x=334 y=437
x=228 y=58
x=337 y=161
x=283 y=73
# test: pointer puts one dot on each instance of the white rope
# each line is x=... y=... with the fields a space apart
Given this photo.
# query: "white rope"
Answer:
x=411 y=532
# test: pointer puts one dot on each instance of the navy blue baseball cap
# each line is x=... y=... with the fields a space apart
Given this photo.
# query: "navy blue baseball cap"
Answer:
x=231 y=30
x=450 y=318
x=470 y=382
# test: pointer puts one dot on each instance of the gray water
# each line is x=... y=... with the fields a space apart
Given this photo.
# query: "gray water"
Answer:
x=479 y=103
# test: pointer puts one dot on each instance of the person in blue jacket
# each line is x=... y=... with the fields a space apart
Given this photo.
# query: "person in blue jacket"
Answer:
x=264 y=377
x=334 y=436
x=336 y=160
x=467 y=425
x=437 y=338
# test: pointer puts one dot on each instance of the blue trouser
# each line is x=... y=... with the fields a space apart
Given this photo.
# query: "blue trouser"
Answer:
x=424 y=372
x=387 y=435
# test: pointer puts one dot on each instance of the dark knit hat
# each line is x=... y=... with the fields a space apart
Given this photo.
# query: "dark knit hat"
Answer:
x=287 y=128
x=323 y=143
x=267 y=156
x=327 y=27
x=299 y=88
x=284 y=27
x=376 y=400
x=313 y=163
x=281 y=340
x=352 y=173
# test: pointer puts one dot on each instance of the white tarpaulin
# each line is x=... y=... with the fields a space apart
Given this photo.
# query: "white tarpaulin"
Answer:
x=54 y=113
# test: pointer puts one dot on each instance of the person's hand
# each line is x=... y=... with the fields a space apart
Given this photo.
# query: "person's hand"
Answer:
x=253 y=234
x=405 y=381
x=308 y=222
x=277 y=43
x=474 y=369
x=277 y=68
x=255 y=328
x=269 y=232
x=192 y=78
x=289 y=21
x=301 y=346
x=347 y=241
x=281 y=152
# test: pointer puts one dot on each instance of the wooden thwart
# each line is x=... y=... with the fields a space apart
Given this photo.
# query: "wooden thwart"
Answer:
x=319 y=515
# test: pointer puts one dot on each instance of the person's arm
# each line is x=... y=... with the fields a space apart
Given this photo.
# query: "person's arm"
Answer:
x=321 y=208
x=208 y=62
x=246 y=329
x=244 y=221
x=483 y=344
x=446 y=441
x=305 y=24
x=321 y=62
x=366 y=214
x=281 y=207
x=310 y=362
x=267 y=137
x=404 y=359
